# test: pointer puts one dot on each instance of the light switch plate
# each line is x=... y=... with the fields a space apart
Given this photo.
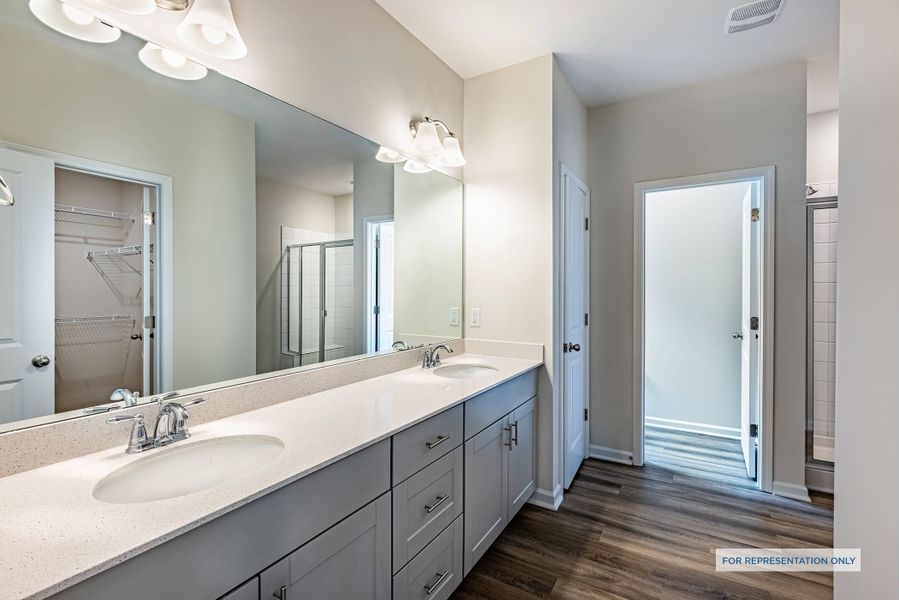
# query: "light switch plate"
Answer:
x=474 y=318
x=454 y=316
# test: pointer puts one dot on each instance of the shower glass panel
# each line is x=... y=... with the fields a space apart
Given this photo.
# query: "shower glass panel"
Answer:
x=319 y=312
x=822 y=298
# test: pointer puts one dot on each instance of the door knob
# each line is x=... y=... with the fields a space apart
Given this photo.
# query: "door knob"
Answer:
x=737 y=335
x=571 y=347
x=40 y=361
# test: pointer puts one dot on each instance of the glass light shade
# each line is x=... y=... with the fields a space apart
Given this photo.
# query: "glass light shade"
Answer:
x=416 y=166
x=73 y=21
x=388 y=155
x=210 y=28
x=169 y=63
x=134 y=7
x=427 y=141
x=452 y=153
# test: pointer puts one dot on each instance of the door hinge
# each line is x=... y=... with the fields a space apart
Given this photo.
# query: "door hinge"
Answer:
x=586 y=319
x=586 y=223
x=377 y=310
x=586 y=415
x=378 y=243
x=754 y=323
x=755 y=215
x=150 y=322
x=149 y=217
x=753 y=430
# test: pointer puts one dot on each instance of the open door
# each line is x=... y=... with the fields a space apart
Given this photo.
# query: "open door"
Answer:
x=26 y=288
x=750 y=331
x=575 y=290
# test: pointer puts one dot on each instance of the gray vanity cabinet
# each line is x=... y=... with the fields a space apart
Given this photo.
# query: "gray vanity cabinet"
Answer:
x=522 y=456
x=248 y=591
x=486 y=489
x=349 y=560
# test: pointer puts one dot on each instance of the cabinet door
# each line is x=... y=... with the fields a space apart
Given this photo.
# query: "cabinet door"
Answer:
x=486 y=489
x=522 y=456
x=247 y=591
x=349 y=560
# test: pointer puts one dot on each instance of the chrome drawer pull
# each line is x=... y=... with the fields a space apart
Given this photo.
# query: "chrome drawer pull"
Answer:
x=440 y=500
x=440 y=577
x=282 y=594
x=440 y=440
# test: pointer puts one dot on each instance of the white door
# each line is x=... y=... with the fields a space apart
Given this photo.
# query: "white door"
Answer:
x=386 y=269
x=26 y=288
x=575 y=291
x=749 y=342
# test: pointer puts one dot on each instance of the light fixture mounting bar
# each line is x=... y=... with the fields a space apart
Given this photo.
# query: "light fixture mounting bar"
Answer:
x=413 y=125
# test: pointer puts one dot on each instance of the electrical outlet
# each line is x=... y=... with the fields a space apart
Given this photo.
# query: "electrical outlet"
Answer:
x=454 y=316
x=474 y=318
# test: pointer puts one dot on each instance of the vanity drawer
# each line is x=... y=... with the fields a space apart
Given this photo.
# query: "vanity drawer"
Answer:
x=485 y=409
x=419 y=446
x=424 y=504
x=437 y=568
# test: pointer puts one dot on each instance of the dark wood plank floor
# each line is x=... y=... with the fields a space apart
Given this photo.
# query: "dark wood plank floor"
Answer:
x=695 y=455
x=629 y=533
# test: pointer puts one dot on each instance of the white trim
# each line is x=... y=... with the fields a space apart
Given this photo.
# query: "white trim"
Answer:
x=791 y=490
x=624 y=457
x=731 y=433
x=546 y=499
x=164 y=295
x=766 y=406
x=565 y=174
x=368 y=321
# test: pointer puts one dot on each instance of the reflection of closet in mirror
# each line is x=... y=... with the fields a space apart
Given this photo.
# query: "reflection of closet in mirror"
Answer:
x=100 y=262
x=821 y=331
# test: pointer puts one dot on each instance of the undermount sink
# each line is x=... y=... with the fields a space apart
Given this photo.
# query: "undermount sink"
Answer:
x=181 y=470
x=465 y=371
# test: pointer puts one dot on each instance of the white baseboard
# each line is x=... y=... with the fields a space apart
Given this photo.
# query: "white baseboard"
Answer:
x=546 y=499
x=730 y=433
x=625 y=457
x=791 y=490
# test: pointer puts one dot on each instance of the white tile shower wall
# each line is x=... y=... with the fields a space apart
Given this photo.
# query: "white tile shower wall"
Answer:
x=824 y=297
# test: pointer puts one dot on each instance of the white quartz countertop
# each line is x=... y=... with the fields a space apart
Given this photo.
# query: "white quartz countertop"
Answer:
x=54 y=533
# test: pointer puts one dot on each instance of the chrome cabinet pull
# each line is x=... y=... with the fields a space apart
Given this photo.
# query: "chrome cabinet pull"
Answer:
x=429 y=589
x=440 y=439
x=440 y=500
x=515 y=436
x=282 y=593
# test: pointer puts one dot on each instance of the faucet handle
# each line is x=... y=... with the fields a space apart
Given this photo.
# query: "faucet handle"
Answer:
x=138 y=441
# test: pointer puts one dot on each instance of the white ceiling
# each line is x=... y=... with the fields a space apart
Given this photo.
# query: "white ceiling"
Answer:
x=613 y=50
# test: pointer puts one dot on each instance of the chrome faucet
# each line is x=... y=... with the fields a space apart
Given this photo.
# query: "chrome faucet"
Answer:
x=124 y=394
x=430 y=358
x=171 y=425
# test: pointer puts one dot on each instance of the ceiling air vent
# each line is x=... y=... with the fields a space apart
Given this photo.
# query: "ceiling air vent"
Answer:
x=752 y=15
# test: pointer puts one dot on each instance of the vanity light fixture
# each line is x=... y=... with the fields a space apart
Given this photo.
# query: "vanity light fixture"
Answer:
x=133 y=7
x=388 y=155
x=73 y=21
x=210 y=28
x=416 y=166
x=170 y=63
x=6 y=196
x=426 y=142
x=452 y=153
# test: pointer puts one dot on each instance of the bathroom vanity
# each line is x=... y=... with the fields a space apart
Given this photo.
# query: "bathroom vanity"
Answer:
x=392 y=487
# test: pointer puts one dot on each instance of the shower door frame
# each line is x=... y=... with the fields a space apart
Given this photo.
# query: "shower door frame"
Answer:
x=322 y=311
x=811 y=205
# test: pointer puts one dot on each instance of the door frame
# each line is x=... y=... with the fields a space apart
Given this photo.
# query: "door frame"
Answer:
x=565 y=174
x=371 y=279
x=164 y=280
x=766 y=177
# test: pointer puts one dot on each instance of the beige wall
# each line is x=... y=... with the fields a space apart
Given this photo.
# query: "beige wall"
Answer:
x=509 y=220
x=428 y=214
x=347 y=61
x=280 y=204
x=823 y=147
x=93 y=112
x=753 y=120
x=867 y=403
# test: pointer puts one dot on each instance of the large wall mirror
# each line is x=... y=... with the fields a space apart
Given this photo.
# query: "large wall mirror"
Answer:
x=172 y=234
